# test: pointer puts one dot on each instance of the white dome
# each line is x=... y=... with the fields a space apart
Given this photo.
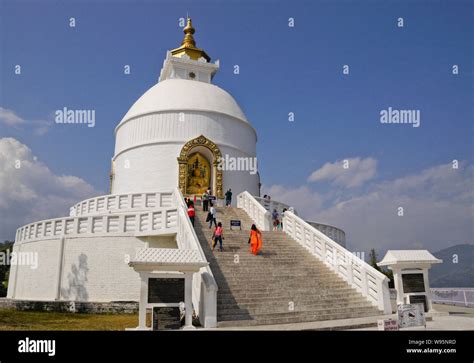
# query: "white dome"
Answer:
x=182 y=95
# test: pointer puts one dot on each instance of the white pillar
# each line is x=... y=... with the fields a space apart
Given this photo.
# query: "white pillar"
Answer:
x=397 y=278
x=427 y=289
x=188 y=300
x=143 y=302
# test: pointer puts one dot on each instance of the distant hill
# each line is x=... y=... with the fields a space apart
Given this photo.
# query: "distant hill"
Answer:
x=449 y=274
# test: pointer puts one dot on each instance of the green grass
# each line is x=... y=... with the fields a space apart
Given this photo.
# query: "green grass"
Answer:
x=11 y=319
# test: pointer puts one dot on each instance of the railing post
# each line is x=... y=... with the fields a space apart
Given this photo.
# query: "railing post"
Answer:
x=350 y=272
x=89 y=225
x=295 y=226
x=164 y=219
x=121 y=223
x=383 y=296
x=323 y=250
x=75 y=226
x=363 y=278
x=150 y=221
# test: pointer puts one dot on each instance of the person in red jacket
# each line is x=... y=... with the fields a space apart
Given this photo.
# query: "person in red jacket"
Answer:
x=191 y=212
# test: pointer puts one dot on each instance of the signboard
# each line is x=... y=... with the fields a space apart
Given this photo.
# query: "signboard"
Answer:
x=165 y=290
x=166 y=318
x=419 y=299
x=235 y=223
x=387 y=324
x=413 y=283
x=411 y=315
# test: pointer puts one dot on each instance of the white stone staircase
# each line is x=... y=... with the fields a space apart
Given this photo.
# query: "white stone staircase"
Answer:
x=286 y=284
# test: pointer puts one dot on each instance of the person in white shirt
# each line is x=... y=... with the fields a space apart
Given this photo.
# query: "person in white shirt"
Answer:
x=213 y=212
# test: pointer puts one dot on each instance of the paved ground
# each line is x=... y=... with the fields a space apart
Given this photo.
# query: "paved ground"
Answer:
x=451 y=322
x=459 y=318
x=447 y=318
x=455 y=310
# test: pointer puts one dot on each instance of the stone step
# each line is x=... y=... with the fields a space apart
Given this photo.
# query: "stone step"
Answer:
x=285 y=294
x=278 y=282
x=255 y=310
x=285 y=301
x=249 y=275
x=242 y=321
x=271 y=286
x=320 y=280
x=299 y=316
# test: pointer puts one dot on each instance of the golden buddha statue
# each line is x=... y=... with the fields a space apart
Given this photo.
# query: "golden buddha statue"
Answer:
x=199 y=174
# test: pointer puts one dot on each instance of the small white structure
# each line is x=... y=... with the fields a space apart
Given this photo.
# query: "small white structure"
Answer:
x=161 y=263
x=410 y=274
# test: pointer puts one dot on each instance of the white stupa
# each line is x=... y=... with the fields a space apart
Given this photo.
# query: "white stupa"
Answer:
x=182 y=116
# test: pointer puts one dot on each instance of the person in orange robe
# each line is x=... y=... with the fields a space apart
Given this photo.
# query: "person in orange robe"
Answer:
x=255 y=240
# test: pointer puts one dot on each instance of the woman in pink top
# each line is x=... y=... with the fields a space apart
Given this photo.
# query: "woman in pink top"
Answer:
x=217 y=236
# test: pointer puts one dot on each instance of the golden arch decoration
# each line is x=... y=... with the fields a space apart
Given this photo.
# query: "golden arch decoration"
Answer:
x=186 y=152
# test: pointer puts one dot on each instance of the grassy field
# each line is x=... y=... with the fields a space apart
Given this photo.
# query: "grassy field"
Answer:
x=33 y=320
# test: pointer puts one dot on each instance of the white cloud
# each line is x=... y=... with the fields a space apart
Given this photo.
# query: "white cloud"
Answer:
x=437 y=204
x=357 y=172
x=10 y=118
x=33 y=192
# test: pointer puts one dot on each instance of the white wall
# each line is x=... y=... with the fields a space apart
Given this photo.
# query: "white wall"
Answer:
x=93 y=269
x=39 y=283
x=167 y=127
x=149 y=147
x=150 y=168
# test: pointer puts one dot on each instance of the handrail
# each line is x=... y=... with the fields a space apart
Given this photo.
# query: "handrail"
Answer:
x=255 y=210
x=358 y=273
x=204 y=284
x=122 y=202
x=107 y=224
x=462 y=296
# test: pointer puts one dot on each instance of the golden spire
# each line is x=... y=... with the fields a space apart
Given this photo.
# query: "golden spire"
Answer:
x=188 y=30
x=188 y=45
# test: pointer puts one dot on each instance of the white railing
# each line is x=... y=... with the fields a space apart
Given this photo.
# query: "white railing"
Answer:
x=204 y=284
x=271 y=205
x=453 y=296
x=114 y=203
x=128 y=224
x=255 y=210
x=359 y=274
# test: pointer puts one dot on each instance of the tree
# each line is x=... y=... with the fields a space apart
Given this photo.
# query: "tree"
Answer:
x=386 y=272
x=373 y=260
x=5 y=267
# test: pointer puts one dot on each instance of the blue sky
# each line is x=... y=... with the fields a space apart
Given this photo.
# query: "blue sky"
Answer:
x=282 y=70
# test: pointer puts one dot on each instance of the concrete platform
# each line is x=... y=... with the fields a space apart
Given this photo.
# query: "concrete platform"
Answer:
x=450 y=322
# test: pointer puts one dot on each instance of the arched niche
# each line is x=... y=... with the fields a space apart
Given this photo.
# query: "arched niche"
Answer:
x=211 y=152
